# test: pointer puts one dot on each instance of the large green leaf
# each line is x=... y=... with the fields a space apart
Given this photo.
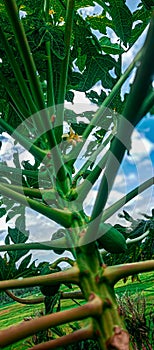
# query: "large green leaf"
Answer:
x=3 y=269
x=81 y=60
x=141 y=17
x=83 y=34
x=110 y=48
x=24 y=264
x=97 y=68
x=2 y=212
x=148 y=4
x=99 y=22
x=11 y=214
x=94 y=97
x=83 y=3
x=121 y=19
x=56 y=38
x=9 y=203
x=17 y=236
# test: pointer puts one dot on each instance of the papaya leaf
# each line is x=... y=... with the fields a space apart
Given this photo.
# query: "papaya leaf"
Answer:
x=99 y=22
x=70 y=116
x=94 y=97
x=3 y=269
x=83 y=33
x=121 y=19
x=110 y=48
x=9 y=203
x=27 y=166
x=75 y=78
x=126 y=216
x=16 y=255
x=7 y=239
x=17 y=236
x=69 y=96
x=97 y=68
x=11 y=214
x=84 y=3
x=148 y=4
x=55 y=36
x=2 y=212
x=79 y=128
x=141 y=17
x=80 y=62
x=24 y=263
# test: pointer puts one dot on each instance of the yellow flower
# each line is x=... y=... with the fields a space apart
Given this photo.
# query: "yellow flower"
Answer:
x=61 y=19
x=51 y=12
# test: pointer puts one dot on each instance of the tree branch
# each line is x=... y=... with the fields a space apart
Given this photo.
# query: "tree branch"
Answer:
x=92 y=158
x=62 y=217
x=23 y=300
x=71 y=275
x=60 y=243
x=125 y=199
x=30 y=192
x=75 y=337
x=137 y=239
x=62 y=259
x=114 y=273
x=39 y=300
x=34 y=150
x=50 y=87
x=64 y=68
x=13 y=334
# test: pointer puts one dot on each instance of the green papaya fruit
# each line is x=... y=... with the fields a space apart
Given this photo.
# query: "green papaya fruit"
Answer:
x=111 y=239
x=56 y=235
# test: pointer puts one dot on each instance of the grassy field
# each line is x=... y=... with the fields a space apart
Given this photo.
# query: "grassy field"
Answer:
x=13 y=313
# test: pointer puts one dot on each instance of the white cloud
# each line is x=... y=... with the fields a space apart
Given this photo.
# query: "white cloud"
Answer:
x=132 y=4
x=142 y=203
x=3 y=224
x=114 y=196
x=120 y=179
x=131 y=177
x=40 y=227
x=80 y=103
x=22 y=14
x=90 y=199
x=141 y=148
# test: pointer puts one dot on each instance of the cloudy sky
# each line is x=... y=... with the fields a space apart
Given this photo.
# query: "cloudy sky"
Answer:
x=135 y=169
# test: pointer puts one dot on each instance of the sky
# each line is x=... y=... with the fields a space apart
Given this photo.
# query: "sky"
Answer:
x=135 y=169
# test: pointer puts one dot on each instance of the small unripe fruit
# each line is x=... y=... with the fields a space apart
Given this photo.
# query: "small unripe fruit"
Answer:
x=56 y=235
x=111 y=239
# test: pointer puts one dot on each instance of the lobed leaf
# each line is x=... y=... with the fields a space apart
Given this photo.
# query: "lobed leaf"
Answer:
x=110 y=48
x=121 y=19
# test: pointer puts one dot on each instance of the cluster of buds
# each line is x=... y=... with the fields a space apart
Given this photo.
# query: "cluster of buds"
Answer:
x=72 y=137
x=60 y=20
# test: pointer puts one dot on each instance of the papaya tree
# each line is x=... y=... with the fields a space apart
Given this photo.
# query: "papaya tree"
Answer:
x=50 y=50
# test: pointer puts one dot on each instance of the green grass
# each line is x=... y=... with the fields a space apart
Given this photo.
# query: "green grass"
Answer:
x=14 y=313
x=145 y=288
x=146 y=284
